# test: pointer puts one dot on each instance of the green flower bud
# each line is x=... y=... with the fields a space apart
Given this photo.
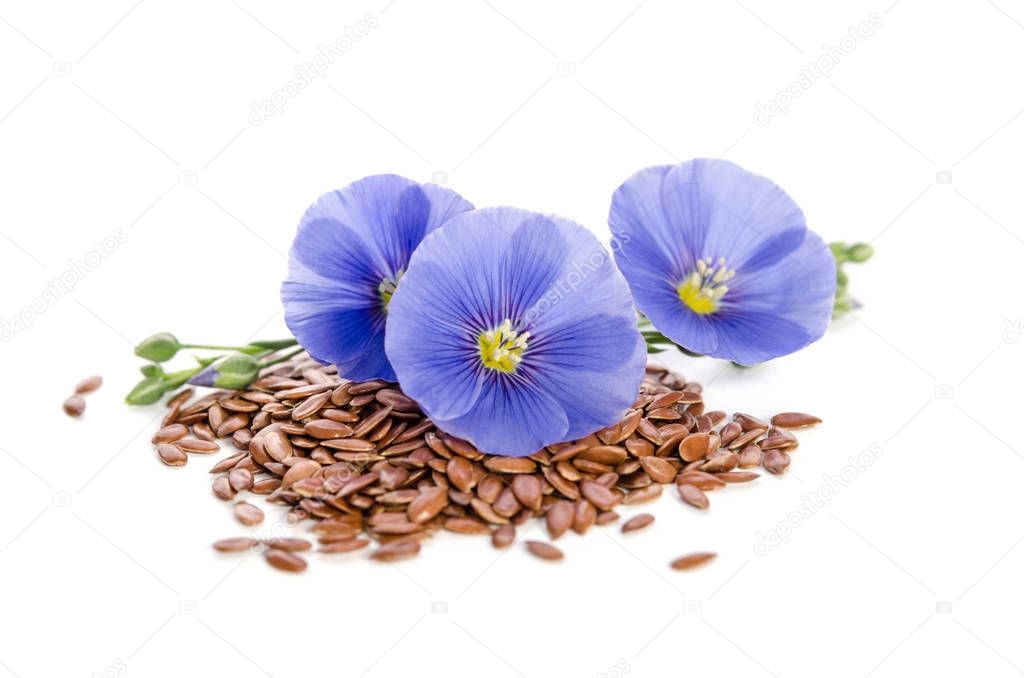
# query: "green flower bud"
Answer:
x=158 y=348
x=838 y=251
x=236 y=371
x=859 y=252
x=147 y=391
x=841 y=278
x=152 y=370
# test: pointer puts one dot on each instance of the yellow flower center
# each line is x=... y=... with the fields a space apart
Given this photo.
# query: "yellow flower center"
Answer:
x=386 y=289
x=502 y=348
x=704 y=287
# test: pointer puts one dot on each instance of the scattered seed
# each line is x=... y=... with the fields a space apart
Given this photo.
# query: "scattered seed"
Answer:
x=179 y=399
x=700 y=480
x=171 y=455
x=598 y=495
x=397 y=550
x=170 y=433
x=748 y=422
x=510 y=464
x=746 y=438
x=692 y=560
x=89 y=384
x=197 y=446
x=302 y=391
x=778 y=439
x=694 y=446
x=231 y=424
x=202 y=430
x=288 y=544
x=750 y=456
x=235 y=544
x=637 y=522
x=222 y=488
x=74 y=406
x=466 y=526
x=527 y=489
x=310 y=405
x=693 y=496
x=344 y=546
x=730 y=432
x=544 y=550
x=644 y=494
x=503 y=536
x=361 y=462
x=738 y=476
x=427 y=505
x=559 y=518
x=584 y=516
x=248 y=514
x=604 y=454
x=349 y=445
x=283 y=560
x=325 y=429
x=795 y=420
x=660 y=470
x=505 y=507
x=460 y=473
x=776 y=461
x=726 y=462
x=397 y=400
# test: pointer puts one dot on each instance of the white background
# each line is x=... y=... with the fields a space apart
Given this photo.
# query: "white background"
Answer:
x=135 y=115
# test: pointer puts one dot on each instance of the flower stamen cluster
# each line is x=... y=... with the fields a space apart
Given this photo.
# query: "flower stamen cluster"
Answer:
x=387 y=288
x=705 y=287
x=502 y=348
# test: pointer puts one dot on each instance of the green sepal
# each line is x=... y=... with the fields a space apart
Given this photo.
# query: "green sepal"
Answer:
x=147 y=391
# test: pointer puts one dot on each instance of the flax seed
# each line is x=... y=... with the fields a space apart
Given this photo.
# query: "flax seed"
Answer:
x=89 y=384
x=503 y=536
x=248 y=514
x=235 y=544
x=544 y=551
x=283 y=560
x=795 y=420
x=637 y=522
x=361 y=463
x=74 y=406
x=692 y=560
x=693 y=496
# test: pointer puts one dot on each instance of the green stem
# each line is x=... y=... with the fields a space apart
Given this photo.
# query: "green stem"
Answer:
x=281 y=358
x=252 y=348
x=274 y=344
x=214 y=347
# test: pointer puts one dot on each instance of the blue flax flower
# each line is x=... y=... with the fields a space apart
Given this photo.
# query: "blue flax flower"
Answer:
x=720 y=260
x=351 y=249
x=514 y=330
